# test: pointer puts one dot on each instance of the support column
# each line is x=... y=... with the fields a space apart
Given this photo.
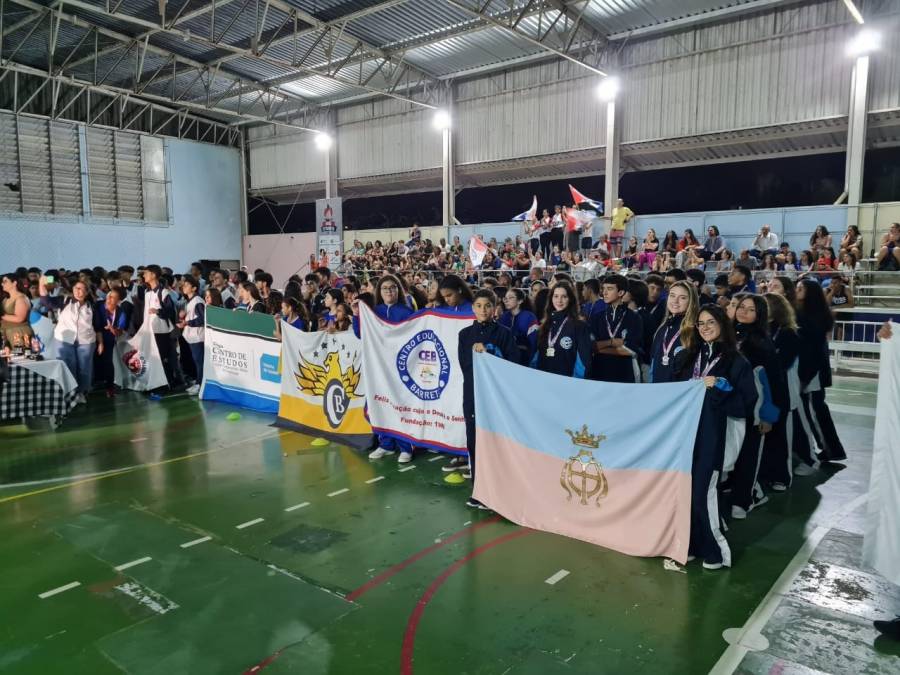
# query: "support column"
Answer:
x=611 y=178
x=856 y=131
x=448 y=186
x=331 y=168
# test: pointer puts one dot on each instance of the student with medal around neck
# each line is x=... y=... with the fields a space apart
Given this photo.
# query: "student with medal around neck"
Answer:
x=675 y=333
x=618 y=333
x=564 y=341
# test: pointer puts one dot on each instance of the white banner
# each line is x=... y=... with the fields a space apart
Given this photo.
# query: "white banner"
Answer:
x=881 y=547
x=330 y=228
x=413 y=380
x=137 y=364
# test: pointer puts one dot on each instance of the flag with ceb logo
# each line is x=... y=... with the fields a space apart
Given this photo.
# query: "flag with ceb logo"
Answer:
x=241 y=359
x=413 y=381
x=321 y=386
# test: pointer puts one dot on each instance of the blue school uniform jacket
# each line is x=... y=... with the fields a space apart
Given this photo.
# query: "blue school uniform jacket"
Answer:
x=524 y=328
x=668 y=331
x=627 y=325
x=497 y=340
x=571 y=351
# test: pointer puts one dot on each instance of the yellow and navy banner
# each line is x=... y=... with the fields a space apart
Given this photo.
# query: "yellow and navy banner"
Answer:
x=321 y=388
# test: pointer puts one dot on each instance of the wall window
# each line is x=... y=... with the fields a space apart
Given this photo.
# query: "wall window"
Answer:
x=127 y=175
x=40 y=167
x=41 y=171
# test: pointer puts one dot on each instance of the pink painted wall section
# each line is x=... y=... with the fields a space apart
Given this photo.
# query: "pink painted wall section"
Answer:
x=279 y=254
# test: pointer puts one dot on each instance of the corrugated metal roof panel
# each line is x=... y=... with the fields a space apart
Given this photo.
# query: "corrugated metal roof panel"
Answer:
x=413 y=19
x=255 y=69
x=319 y=88
x=309 y=44
x=462 y=52
x=618 y=16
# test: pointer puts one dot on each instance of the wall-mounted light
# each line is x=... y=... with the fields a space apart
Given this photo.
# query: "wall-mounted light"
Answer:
x=608 y=88
x=323 y=141
x=441 y=120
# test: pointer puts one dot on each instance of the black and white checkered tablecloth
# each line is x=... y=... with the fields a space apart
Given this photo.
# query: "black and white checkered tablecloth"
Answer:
x=28 y=394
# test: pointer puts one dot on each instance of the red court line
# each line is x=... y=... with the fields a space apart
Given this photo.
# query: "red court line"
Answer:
x=412 y=625
x=387 y=574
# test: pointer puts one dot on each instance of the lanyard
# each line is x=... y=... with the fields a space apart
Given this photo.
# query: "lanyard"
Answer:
x=709 y=366
x=667 y=346
x=614 y=331
x=551 y=340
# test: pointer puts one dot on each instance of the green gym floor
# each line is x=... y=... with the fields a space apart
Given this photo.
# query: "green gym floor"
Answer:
x=158 y=537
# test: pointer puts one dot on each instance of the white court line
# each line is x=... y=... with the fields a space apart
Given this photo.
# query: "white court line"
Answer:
x=559 y=576
x=133 y=563
x=407 y=468
x=297 y=506
x=61 y=589
x=734 y=654
x=194 y=542
x=338 y=492
x=374 y=480
x=138 y=440
x=436 y=458
x=249 y=523
x=851 y=410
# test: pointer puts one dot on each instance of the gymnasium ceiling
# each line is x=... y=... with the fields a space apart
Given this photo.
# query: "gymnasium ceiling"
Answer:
x=285 y=61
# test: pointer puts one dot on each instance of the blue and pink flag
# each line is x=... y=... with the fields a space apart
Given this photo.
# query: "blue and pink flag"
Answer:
x=606 y=463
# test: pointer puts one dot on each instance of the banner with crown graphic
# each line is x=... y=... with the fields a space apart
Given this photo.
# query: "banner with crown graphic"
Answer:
x=321 y=386
x=606 y=463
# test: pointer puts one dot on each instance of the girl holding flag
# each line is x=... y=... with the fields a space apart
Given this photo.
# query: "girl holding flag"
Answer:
x=521 y=322
x=564 y=341
x=676 y=332
x=390 y=308
x=713 y=358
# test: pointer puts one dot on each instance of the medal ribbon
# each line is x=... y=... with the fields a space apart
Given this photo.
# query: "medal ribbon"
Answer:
x=609 y=328
x=551 y=340
x=667 y=346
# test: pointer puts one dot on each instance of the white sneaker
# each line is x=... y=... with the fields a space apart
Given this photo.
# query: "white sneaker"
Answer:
x=378 y=453
x=467 y=473
x=80 y=399
x=404 y=458
x=803 y=469
x=779 y=487
x=712 y=566
x=193 y=390
x=738 y=514
x=455 y=464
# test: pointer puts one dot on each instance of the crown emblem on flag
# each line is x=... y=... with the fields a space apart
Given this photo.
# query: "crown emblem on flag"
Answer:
x=584 y=438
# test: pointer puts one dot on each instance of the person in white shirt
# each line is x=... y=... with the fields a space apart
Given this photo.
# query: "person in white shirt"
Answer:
x=160 y=316
x=192 y=327
x=77 y=339
x=766 y=242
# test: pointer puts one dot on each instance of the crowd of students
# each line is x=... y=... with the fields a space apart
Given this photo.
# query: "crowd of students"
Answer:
x=763 y=356
x=763 y=359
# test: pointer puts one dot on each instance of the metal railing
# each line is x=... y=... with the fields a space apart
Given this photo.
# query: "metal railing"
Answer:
x=854 y=346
